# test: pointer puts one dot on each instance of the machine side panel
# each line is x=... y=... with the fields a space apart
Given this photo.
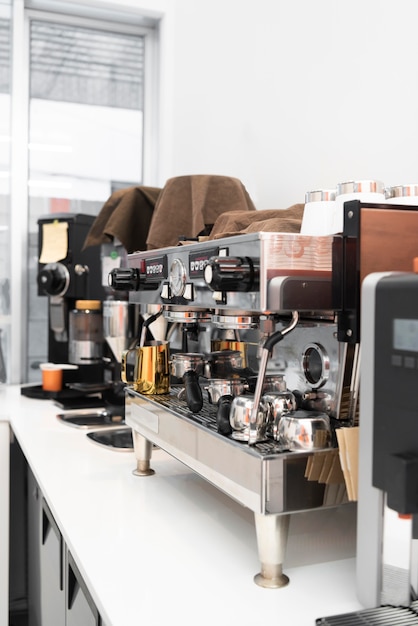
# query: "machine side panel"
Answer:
x=266 y=484
x=370 y=499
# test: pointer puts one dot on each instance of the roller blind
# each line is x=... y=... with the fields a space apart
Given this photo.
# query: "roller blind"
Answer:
x=5 y=43
x=86 y=66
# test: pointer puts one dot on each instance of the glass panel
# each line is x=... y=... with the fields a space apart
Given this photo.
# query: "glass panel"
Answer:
x=5 y=252
x=85 y=129
x=87 y=66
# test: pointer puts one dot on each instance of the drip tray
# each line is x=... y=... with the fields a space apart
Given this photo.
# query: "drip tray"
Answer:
x=396 y=615
x=99 y=418
x=119 y=439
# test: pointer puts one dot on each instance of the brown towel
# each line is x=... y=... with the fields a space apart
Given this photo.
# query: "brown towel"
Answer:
x=126 y=215
x=268 y=220
x=189 y=205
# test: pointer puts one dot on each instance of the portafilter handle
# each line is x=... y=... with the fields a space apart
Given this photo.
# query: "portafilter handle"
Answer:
x=267 y=347
x=222 y=414
x=193 y=391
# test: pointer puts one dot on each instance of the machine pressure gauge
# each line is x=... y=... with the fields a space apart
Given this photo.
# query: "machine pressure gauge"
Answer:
x=177 y=277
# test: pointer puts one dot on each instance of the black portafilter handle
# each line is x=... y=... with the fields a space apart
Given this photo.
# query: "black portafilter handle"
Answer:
x=222 y=415
x=193 y=391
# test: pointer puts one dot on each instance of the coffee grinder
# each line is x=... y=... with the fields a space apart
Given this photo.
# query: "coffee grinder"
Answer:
x=69 y=276
x=122 y=323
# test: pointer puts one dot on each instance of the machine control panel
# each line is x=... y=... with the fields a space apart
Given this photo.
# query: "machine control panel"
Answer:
x=199 y=260
x=236 y=273
x=154 y=269
x=147 y=276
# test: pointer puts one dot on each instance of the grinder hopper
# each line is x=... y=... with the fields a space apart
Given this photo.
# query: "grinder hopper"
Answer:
x=121 y=326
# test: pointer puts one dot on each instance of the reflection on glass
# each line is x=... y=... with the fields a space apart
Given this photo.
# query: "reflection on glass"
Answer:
x=86 y=132
x=5 y=252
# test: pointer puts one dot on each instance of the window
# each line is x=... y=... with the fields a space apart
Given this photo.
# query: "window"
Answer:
x=5 y=247
x=87 y=86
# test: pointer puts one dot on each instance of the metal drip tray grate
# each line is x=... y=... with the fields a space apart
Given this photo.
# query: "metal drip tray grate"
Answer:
x=171 y=401
x=207 y=418
x=383 y=615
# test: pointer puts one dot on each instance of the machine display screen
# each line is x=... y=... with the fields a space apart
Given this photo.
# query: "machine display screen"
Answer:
x=405 y=334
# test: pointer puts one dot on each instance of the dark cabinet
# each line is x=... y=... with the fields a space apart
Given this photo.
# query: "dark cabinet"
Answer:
x=34 y=518
x=52 y=597
x=57 y=593
x=80 y=608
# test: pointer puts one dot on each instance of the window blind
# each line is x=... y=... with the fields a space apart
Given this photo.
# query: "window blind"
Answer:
x=86 y=66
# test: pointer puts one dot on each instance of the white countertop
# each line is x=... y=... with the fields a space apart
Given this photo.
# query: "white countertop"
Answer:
x=170 y=548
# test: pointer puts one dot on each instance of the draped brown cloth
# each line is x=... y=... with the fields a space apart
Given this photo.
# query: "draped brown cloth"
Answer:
x=126 y=216
x=188 y=206
x=267 y=220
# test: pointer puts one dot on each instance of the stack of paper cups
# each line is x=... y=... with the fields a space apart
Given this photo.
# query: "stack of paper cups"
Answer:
x=402 y=194
x=318 y=215
x=363 y=190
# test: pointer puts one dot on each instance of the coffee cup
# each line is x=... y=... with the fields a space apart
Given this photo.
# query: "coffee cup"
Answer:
x=51 y=376
x=151 y=372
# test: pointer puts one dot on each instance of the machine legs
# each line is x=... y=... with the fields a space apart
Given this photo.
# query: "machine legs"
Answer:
x=272 y=532
x=143 y=451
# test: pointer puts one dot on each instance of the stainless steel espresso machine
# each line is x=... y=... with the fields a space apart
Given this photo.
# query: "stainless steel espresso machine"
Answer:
x=263 y=428
x=270 y=296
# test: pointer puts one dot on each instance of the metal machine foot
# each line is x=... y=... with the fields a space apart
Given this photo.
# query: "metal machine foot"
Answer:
x=272 y=532
x=143 y=451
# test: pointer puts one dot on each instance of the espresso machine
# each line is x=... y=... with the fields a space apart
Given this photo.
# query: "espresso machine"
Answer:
x=270 y=293
x=69 y=276
x=268 y=441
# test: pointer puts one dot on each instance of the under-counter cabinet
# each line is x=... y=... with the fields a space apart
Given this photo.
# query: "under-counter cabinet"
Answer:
x=80 y=608
x=57 y=593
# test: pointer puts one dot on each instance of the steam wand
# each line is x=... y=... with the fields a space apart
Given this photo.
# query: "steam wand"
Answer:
x=146 y=324
x=267 y=347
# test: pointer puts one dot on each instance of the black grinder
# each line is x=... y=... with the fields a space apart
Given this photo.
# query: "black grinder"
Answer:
x=67 y=273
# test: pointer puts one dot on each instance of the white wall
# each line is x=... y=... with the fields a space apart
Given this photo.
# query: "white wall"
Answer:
x=288 y=95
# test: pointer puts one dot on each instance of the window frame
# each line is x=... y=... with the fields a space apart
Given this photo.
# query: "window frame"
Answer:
x=125 y=22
